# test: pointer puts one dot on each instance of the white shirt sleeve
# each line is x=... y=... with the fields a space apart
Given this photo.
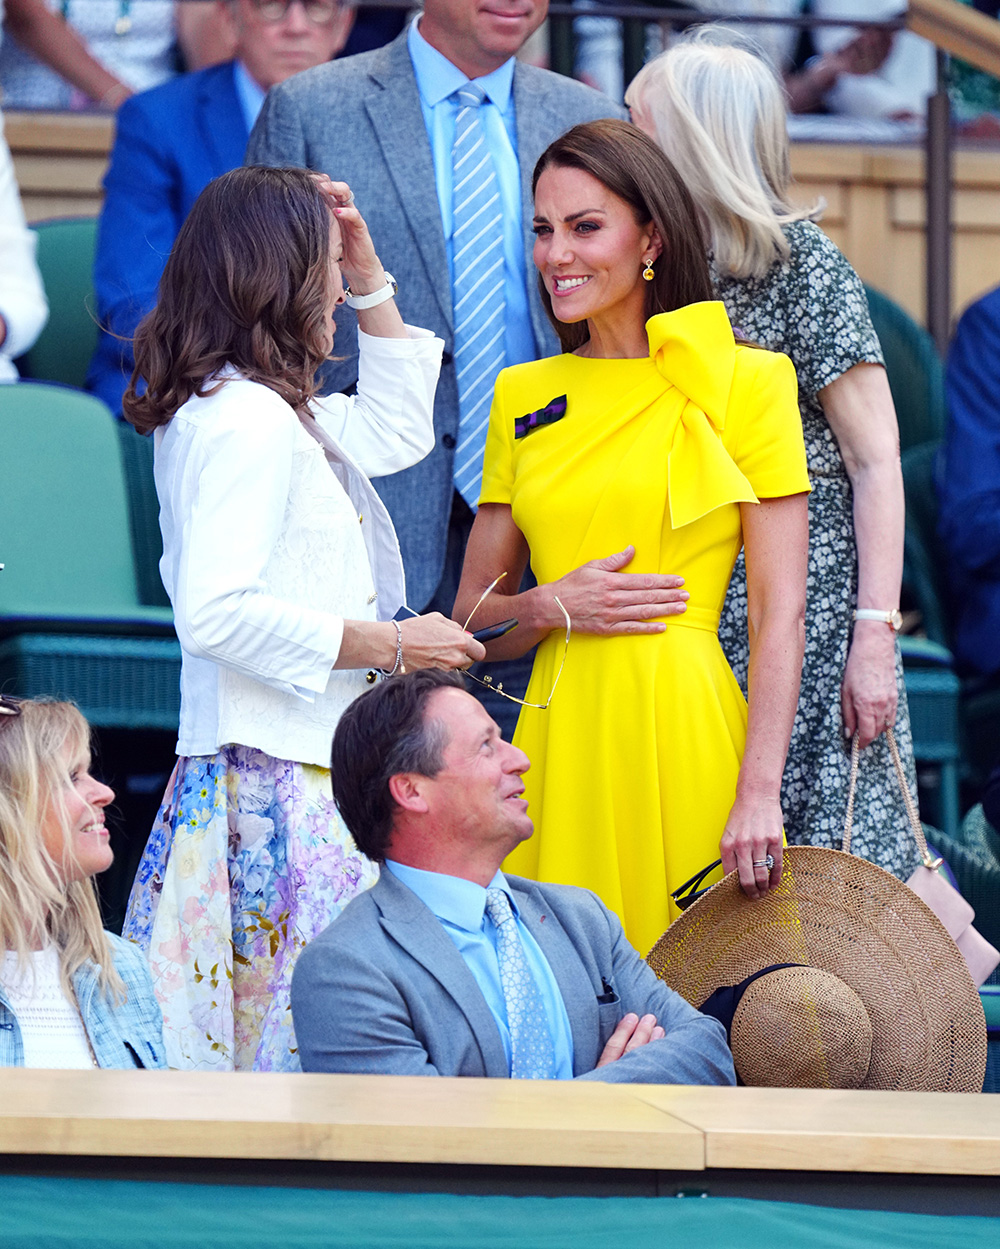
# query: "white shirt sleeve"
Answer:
x=389 y=424
x=229 y=487
x=22 y=297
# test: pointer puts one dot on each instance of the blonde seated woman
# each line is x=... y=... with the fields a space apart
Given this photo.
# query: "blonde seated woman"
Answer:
x=71 y=994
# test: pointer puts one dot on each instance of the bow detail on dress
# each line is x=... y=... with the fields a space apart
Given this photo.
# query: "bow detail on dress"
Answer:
x=693 y=348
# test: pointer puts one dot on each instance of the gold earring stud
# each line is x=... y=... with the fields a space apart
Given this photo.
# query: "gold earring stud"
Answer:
x=648 y=273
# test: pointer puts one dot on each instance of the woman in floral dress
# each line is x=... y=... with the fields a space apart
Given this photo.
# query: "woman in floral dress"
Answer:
x=283 y=601
x=718 y=112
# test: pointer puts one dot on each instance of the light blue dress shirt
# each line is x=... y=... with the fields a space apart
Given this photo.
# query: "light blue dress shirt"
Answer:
x=460 y=905
x=436 y=79
x=249 y=93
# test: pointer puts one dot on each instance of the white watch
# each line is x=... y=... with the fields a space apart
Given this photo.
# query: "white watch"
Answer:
x=892 y=618
x=360 y=302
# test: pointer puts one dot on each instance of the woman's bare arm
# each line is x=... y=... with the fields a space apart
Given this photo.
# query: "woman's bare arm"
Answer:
x=860 y=410
x=776 y=540
x=56 y=44
x=598 y=596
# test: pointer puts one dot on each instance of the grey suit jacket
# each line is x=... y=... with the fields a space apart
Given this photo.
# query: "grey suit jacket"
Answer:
x=384 y=990
x=360 y=121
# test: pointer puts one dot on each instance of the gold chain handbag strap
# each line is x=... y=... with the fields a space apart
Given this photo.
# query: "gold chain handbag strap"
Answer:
x=911 y=809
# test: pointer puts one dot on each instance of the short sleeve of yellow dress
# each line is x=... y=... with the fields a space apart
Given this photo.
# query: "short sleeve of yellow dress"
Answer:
x=634 y=765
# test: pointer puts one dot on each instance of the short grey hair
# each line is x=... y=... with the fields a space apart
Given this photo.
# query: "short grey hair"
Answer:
x=717 y=109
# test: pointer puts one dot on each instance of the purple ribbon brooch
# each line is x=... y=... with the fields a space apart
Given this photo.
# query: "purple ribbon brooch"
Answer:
x=552 y=412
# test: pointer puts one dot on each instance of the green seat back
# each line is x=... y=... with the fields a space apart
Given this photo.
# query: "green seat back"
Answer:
x=924 y=561
x=916 y=377
x=64 y=520
x=144 y=512
x=66 y=261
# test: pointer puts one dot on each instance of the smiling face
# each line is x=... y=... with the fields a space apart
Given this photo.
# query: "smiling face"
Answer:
x=475 y=801
x=590 y=251
x=74 y=831
x=477 y=36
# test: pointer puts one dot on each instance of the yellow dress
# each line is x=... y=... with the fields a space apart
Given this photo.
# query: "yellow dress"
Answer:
x=634 y=765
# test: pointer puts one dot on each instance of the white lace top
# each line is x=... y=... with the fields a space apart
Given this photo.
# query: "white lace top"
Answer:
x=52 y=1030
x=273 y=535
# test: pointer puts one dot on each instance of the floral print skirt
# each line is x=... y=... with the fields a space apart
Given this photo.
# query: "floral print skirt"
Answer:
x=248 y=860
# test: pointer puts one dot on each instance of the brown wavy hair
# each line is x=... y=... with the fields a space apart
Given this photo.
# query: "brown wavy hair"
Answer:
x=635 y=169
x=247 y=284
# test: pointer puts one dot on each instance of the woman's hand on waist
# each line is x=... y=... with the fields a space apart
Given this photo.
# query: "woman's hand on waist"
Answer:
x=753 y=831
x=602 y=599
x=868 y=695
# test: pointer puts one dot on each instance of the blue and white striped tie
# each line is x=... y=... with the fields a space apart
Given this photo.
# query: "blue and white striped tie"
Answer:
x=532 y=1051
x=477 y=287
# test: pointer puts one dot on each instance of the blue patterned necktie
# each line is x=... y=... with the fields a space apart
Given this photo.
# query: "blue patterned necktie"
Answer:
x=478 y=297
x=532 y=1051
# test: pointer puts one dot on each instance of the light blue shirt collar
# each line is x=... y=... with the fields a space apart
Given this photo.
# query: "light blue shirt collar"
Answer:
x=437 y=77
x=249 y=92
x=452 y=899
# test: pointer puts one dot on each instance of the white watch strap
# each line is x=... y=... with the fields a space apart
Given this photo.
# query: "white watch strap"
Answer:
x=891 y=618
x=361 y=302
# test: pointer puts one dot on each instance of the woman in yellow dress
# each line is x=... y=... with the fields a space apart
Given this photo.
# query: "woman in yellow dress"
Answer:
x=655 y=445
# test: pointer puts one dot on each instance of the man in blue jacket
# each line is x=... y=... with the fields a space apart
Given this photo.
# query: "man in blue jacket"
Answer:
x=173 y=140
x=969 y=485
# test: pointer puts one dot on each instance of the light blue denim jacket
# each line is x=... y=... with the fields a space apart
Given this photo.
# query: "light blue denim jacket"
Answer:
x=126 y=1036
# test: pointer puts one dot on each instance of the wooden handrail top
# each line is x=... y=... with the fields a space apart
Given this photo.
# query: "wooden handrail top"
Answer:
x=174 y=1114
x=959 y=30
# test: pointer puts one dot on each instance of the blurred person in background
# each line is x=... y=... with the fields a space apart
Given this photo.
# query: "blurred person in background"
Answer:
x=74 y=54
x=23 y=309
x=171 y=141
x=717 y=110
x=71 y=994
x=969 y=486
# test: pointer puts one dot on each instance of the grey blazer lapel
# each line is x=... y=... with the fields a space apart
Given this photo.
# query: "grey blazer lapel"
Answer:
x=577 y=991
x=417 y=930
x=393 y=105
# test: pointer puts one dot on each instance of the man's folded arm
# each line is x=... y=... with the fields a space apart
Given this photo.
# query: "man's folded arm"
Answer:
x=694 y=1050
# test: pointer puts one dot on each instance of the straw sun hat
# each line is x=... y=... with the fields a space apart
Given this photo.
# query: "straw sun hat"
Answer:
x=873 y=993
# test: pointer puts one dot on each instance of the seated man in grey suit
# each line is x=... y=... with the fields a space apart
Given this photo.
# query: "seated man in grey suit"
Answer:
x=445 y=966
x=437 y=135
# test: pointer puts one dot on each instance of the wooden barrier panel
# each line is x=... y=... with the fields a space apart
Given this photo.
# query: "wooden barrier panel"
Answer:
x=395 y=1119
x=835 y=1130
x=875 y=199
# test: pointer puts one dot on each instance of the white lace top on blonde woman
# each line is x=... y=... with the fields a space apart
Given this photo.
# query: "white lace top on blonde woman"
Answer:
x=52 y=1030
x=271 y=540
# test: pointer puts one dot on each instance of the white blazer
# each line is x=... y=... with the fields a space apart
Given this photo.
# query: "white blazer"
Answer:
x=263 y=553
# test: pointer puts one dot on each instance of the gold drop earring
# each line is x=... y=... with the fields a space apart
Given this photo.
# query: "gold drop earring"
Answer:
x=648 y=273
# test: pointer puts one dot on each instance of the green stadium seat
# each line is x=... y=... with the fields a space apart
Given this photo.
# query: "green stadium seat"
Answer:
x=72 y=623
x=66 y=261
x=916 y=377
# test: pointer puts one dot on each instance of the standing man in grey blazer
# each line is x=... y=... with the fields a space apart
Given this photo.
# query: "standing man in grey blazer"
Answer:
x=385 y=122
x=447 y=967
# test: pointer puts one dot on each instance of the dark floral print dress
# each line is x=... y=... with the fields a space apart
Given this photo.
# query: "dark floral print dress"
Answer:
x=814 y=309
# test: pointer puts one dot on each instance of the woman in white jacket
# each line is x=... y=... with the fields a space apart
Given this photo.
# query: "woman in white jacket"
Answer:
x=284 y=573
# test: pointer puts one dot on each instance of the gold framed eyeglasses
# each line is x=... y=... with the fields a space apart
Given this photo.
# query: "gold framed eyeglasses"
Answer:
x=488 y=683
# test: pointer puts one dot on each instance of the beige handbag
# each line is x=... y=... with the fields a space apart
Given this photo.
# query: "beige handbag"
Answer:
x=927 y=882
